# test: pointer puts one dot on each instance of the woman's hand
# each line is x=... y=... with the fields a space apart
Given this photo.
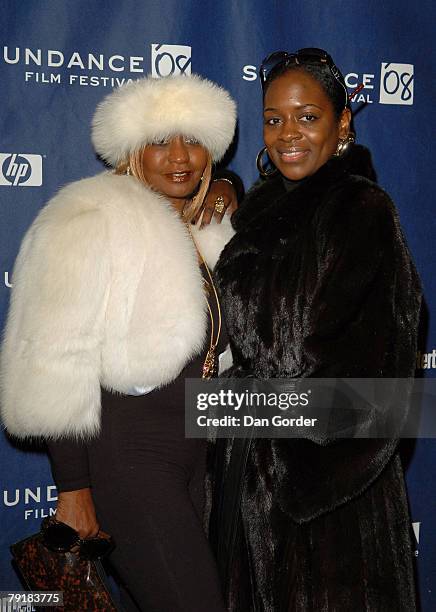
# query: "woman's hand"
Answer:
x=76 y=509
x=218 y=189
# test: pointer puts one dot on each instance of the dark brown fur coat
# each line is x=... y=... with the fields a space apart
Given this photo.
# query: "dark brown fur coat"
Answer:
x=317 y=282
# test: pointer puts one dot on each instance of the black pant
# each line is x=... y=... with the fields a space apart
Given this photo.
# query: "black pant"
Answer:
x=147 y=483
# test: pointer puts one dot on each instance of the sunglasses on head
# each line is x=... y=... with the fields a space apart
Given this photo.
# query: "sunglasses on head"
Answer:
x=61 y=538
x=308 y=55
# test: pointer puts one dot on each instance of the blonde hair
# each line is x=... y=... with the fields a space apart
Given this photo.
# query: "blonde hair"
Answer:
x=134 y=166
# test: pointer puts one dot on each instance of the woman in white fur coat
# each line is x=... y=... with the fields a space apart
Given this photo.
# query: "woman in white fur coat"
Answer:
x=108 y=315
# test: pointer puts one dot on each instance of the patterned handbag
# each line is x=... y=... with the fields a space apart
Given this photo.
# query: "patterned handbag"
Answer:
x=78 y=573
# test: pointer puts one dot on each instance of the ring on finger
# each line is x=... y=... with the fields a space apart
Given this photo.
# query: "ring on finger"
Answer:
x=219 y=205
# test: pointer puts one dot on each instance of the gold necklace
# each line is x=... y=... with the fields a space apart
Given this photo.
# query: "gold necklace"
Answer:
x=210 y=365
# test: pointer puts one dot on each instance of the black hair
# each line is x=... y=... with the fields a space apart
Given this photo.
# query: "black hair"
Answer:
x=334 y=88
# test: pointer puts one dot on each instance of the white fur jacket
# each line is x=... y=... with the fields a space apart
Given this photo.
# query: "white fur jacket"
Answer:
x=106 y=290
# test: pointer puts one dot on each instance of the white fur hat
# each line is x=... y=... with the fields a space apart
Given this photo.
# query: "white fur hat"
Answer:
x=149 y=110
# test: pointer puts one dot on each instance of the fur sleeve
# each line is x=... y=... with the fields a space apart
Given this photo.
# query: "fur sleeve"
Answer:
x=212 y=238
x=50 y=359
x=362 y=323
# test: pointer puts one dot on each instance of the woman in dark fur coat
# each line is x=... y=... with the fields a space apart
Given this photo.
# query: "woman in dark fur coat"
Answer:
x=317 y=282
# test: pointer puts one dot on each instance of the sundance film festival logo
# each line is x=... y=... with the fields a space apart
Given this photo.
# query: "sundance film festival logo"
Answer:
x=168 y=60
x=56 y=67
x=395 y=86
x=396 y=83
x=23 y=498
x=20 y=170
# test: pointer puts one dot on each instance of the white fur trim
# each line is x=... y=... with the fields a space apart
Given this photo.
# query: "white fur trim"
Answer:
x=148 y=110
x=225 y=360
x=212 y=238
x=106 y=290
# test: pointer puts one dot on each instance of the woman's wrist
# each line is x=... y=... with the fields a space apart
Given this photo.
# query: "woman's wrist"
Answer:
x=76 y=509
x=227 y=176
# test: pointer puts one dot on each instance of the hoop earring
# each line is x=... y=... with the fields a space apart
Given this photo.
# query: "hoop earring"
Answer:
x=260 y=167
x=344 y=144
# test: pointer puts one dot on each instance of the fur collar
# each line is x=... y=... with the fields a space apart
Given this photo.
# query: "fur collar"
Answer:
x=356 y=162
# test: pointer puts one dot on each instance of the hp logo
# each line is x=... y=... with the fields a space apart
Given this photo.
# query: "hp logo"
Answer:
x=20 y=170
x=169 y=60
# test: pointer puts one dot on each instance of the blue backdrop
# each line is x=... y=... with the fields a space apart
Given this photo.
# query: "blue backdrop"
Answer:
x=58 y=59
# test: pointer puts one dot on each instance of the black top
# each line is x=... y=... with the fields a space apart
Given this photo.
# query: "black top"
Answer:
x=69 y=457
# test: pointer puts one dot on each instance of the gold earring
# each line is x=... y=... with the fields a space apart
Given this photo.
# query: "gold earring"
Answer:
x=260 y=167
x=344 y=144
